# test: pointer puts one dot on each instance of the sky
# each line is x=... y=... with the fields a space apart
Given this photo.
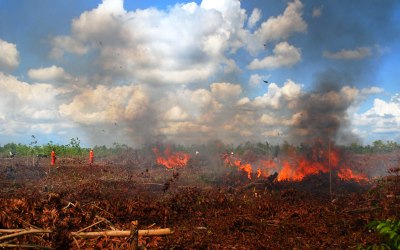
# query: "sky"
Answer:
x=138 y=72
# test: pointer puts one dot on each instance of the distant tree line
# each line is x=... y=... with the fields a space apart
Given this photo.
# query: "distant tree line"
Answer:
x=74 y=148
x=378 y=146
x=71 y=149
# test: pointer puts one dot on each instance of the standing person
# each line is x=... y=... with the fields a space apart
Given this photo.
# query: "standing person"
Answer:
x=53 y=157
x=91 y=156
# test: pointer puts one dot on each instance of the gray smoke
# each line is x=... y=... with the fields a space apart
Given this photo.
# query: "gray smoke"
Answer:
x=322 y=113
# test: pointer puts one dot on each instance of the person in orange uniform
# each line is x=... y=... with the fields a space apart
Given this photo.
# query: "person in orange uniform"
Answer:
x=53 y=157
x=91 y=156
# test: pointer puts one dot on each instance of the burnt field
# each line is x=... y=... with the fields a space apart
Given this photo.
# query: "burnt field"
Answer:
x=206 y=204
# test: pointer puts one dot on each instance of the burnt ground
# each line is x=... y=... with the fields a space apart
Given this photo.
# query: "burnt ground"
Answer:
x=207 y=208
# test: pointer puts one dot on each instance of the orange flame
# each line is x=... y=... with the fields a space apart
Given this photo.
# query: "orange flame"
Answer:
x=347 y=174
x=259 y=172
x=320 y=162
x=231 y=160
x=171 y=159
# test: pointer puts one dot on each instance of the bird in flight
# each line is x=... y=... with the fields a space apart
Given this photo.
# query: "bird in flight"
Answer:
x=265 y=81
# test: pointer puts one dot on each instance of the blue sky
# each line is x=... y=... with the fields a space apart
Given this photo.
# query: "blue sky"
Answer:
x=187 y=72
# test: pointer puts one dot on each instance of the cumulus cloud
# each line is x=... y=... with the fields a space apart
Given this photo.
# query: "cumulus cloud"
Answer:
x=276 y=96
x=9 y=58
x=255 y=80
x=382 y=108
x=225 y=90
x=19 y=94
x=282 y=26
x=346 y=54
x=274 y=119
x=382 y=121
x=48 y=74
x=176 y=113
x=185 y=44
x=26 y=107
x=63 y=44
x=106 y=105
x=285 y=55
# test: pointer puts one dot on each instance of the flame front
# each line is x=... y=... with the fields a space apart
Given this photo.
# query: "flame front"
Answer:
x=316 y=160
x=171 y=159
x=320 y=161
x=348 y=174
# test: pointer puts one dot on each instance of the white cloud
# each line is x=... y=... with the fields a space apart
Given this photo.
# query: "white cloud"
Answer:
x=254 y=18
x=382 y=108
x=101 y=105
x=358 y=96
x=269 y=119
x=187 y=43
x=255 y=80
x=91 y=25
x=9 y=58
x=276 y=96
x=395 y=98
x=281 y=27
x=381 y=121
x=20 y=94
x=67 y=44
x=243 y=101
x=225 y=90
x=285 y=55
x=47 y=74
x=25 y=107
x=275 y=119
x=345 y=54
x=291 y=90
x=176 y=113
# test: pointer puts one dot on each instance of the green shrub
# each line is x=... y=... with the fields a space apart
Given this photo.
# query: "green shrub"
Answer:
x=390 y=232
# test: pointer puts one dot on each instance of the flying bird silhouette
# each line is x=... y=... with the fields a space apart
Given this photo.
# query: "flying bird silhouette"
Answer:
x=265 y=81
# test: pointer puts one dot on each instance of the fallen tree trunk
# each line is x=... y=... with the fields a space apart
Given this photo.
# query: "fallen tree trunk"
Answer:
x=115 y=233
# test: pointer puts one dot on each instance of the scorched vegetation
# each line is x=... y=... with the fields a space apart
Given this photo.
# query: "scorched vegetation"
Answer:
x=214 y=196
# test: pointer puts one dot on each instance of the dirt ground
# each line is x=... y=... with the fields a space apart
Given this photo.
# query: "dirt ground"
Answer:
x=206 y=207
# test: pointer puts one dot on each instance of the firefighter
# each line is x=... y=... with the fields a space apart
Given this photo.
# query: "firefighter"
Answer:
x=91 y=156
x=53 y=157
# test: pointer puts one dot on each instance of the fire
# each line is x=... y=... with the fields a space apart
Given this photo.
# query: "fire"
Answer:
x=232 y=160
x=320 y=161
x=347 y=174
x=311 y=161
x=263 y=169
x=171 y=159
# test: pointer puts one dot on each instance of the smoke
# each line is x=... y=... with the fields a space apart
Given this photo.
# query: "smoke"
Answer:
x=144 y=128
x=322 y=113
x=348 y=61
